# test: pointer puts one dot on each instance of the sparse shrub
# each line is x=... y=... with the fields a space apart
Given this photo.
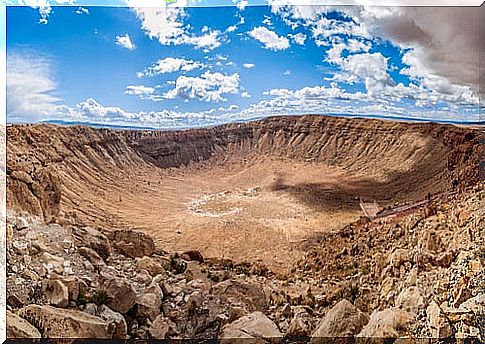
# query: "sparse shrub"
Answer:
x=100 y=298
x=81 y=299
x=177 y=266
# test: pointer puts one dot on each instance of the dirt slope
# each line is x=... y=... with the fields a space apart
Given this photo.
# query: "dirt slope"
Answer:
x=225 y=189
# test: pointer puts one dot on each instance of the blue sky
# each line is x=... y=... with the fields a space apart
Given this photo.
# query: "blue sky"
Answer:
x=193 y=66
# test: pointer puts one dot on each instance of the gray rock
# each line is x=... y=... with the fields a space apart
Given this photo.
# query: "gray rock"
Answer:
x=65 y=323
x=301 y=324
x=343 y=320
x=20 y=328
x=121 y=293
x=114 y=319
x=161 y=327
x=254 y=325
x=56 y=293
x=410 y=300
x=389 y=323
x=438 y=325
x=132 y=243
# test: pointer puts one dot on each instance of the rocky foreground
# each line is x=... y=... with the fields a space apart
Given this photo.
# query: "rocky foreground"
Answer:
x=419 y=275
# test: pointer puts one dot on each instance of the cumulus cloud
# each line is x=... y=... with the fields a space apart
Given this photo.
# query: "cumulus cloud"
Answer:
x=440 y=47
x=248 y=65
x=170 y=65
x=166 y=24
x=139 y=90
x=298 y=38
x=441 y=43
x=444 y=41
x=92 y=111
x=125 y=42
x=30 y=86
x=269 y=39
x=209 y=87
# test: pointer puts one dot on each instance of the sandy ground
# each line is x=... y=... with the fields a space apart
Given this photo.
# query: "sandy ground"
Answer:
x=248 y=212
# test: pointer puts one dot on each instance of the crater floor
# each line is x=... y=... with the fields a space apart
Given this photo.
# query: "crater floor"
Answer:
x=257 y=212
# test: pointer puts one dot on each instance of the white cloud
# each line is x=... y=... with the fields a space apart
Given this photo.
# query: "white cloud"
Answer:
x=441 y=43
x=209 y=41
x=298 y=38
x=139 y=90
x=166 y=24
x=234 y=27
x=248 y=65
x=241 y=5
x=287 y=72
x=81 y=10
x=125 y=42
x=30 y=86
x=170 y=65
x=44 y=12
x=92 y=109
x=270 y=39
x=245 y=94
x=209 y=87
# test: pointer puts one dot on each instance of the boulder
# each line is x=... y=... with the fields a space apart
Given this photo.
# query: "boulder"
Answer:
x=93 y=239
x=91 y=308
x=249 y=295
x=389 y=323
x=91 y=255
x=52 y=263
x=121 y=293
x=193 y=255
x=56 y=293
x=475 y=304
x=151 y=265
x=116 y=320
x=148 y=305
x=132 y=243
x=438 y=325
x=73 y=286
x=20 y=223
x=410 y=300
x=161 y=327
x=20 y=328
x=343 y=320
x=301 y=324
x=65 y=323
x=254 y=325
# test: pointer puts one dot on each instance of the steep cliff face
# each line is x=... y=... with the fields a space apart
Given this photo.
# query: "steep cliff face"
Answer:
x=46 y=164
